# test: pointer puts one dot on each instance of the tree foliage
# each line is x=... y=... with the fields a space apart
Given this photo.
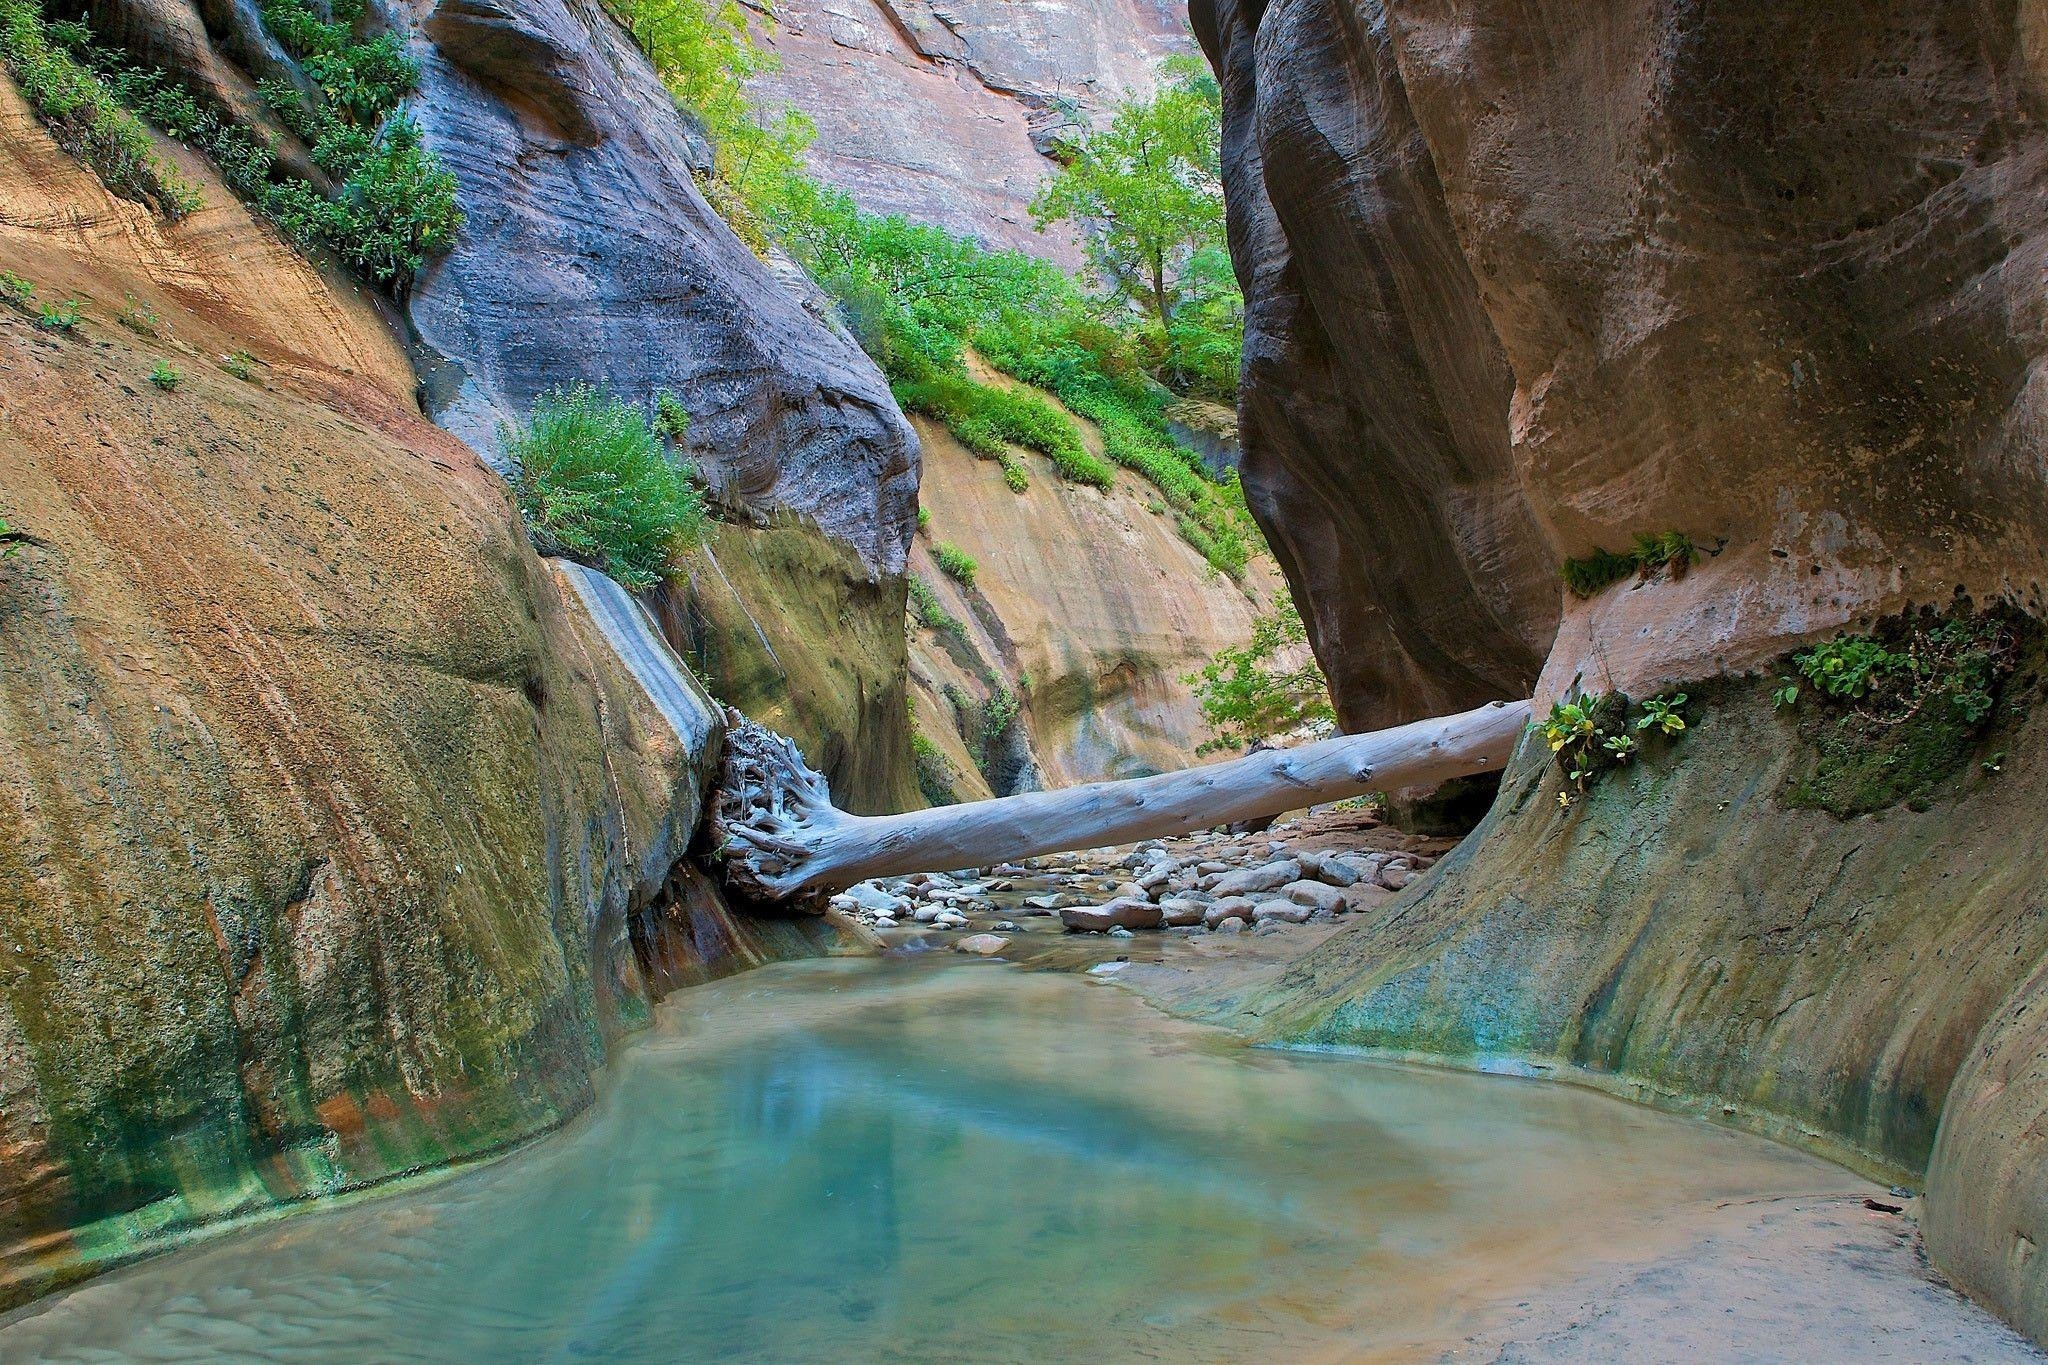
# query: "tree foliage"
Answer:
x=1146 y=195
x=1251 y=693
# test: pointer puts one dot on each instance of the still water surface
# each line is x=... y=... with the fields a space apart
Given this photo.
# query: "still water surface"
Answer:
x=864 y=1161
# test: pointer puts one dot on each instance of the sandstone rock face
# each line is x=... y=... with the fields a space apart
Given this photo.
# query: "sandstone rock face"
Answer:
x=330 y=820
x=1374 y=403
x=1582 y=279
x=942 y=112
x=589 y=256
x=1088 y=606
x=1767 y=276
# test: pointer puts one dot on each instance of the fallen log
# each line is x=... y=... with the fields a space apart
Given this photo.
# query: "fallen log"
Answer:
x=779 y=837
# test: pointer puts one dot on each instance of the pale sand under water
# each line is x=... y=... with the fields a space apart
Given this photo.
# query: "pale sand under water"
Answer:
x=961 y=1161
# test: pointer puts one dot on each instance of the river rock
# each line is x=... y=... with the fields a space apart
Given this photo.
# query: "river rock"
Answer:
x=1177 y=911
x=1158 y=875
x=1291 y=912
x=1251 y=879
x=1131 y=891
x=984 y=945
x=867 y=896
x=1232 y=924
x=1126 y=912
x=1326 y=867
x=1239 y=907
x=1394 y=876
x=1317 y=896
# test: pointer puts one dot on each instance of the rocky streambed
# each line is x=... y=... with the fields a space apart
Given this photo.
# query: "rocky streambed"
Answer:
x=1203 y=893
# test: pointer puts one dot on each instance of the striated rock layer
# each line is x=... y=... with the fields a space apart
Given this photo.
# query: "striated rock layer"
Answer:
x=1528 y=278
x=945 y=113
x=1374 y=400
x=589 y=256
x=1087 y=606
x=334 y=839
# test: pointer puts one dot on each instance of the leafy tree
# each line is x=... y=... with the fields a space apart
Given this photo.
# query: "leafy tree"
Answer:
x=1146 y=194
x=1247 y=694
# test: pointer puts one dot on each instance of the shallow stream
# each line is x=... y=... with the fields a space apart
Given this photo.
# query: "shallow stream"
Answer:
x=854 y=1160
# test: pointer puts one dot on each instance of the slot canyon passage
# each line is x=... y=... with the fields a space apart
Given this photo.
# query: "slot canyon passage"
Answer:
x=1089 y=680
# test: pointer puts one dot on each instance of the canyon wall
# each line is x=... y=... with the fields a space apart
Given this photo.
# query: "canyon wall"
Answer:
x=1527 y=279
x=335 y=842
x=589 y=256
x=945 y=113
x=1088 y=608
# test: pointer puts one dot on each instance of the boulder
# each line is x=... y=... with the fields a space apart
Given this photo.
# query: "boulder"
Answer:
x=1178 y=911
x=1317 y=896
x=1251 y=879
x=1125 y=912
x=982 y=945
x=1287 y=911
x=1238 y=907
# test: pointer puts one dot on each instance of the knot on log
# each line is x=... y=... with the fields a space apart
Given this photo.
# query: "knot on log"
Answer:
x=770 y=806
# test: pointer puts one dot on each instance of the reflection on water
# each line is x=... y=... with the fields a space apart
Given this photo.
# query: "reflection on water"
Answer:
x=844 y=1161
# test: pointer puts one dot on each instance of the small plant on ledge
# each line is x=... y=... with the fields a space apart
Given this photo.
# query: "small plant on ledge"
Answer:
x=956 y=562
x=164 y=377
x=1671 y=552
x=595 y=484
x=1591 y=735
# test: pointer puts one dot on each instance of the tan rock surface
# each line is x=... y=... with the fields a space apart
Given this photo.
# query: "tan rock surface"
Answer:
x=928 y=110
x=325 y=813
x=1094 y=596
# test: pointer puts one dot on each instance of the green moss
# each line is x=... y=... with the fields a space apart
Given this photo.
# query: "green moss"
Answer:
x=1895 y=717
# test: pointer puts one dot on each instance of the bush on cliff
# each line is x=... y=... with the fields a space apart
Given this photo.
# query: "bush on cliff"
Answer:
x=595 y=484
x=86 y=117
x=394 y=204
x=1270 y=686
x=918 y=297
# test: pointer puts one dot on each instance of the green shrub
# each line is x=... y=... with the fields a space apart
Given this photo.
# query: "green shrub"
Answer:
x=9 y=539
x=988 y=419
x=85 y=117
x=394 y=206
x=924 y=518
x=240 y=364
x=594 y=483
x=957 y=563
x=936 y=777
x=164 y=377
x=671 y=418
x=14 y=290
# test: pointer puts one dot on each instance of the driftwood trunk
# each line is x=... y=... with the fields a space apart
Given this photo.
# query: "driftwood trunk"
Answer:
x=780 y=837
